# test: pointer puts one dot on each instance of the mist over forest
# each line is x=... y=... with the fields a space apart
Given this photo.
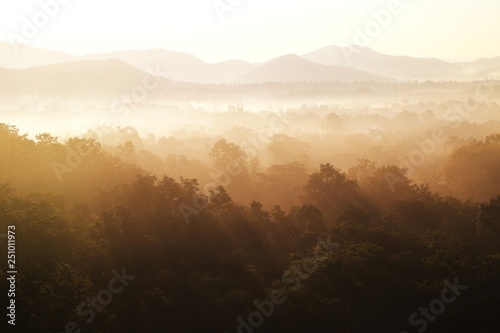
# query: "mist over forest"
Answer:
x=154 y=192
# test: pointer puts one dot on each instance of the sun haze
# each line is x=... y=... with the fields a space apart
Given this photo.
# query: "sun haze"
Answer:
x=256 y=30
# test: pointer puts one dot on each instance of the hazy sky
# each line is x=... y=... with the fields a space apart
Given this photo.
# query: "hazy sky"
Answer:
x=257 y=30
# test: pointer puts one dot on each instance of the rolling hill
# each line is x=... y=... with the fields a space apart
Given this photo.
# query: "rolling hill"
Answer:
x=177 y=66
x=484 y=65
x=331 y=63
x=396 y=67
x=292 y=68
x=89 y=80
x=23 y=56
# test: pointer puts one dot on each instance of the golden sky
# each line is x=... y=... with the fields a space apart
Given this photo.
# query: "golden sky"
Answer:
x=257 y=30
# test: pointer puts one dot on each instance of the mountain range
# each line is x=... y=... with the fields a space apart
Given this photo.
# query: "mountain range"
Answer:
x=331 y=63
x=74 y=80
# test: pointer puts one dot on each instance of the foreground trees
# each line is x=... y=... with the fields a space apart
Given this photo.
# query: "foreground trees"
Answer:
x=350 y=252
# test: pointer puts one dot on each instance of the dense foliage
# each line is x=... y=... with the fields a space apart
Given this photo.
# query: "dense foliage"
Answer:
x=349 y=251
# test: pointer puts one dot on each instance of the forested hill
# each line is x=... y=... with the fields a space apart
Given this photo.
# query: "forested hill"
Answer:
x=352 y=254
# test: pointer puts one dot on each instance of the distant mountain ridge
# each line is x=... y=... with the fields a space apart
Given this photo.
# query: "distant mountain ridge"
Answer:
x=82 y=79
x=331 y=63
x=397 y=67
x=292 y=68
x=24 y=56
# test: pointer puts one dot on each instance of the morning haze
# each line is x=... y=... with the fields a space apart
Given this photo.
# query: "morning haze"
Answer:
x=250 y=166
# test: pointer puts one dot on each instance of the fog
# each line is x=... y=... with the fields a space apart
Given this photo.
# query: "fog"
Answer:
x=417 y=126
x=270 y=201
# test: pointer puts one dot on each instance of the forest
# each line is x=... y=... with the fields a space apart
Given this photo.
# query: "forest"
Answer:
x=237 y=166
x=316 y=218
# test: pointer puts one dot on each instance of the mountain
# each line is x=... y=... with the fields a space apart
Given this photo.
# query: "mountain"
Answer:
x=177 y=66
x=23 y=56
x=231 y=69
x=490 y=74
x=292 y=68
x=180 y=66
x=89 y=80
x=331 y=63
x=396 y=67
x=484 y=65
